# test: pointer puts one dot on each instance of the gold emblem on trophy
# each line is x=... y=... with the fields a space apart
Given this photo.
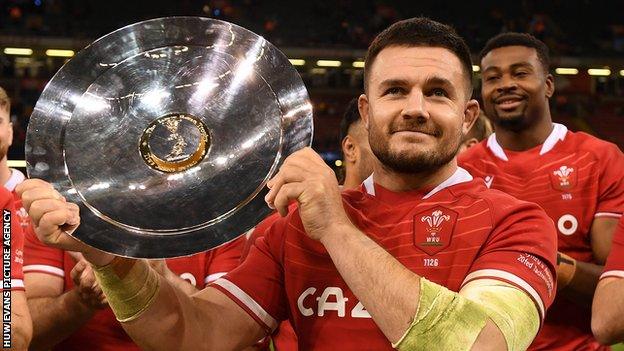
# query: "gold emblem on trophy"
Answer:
x=174 y=143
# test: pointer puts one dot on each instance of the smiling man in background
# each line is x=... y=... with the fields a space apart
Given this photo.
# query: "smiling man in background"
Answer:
x=575 y=177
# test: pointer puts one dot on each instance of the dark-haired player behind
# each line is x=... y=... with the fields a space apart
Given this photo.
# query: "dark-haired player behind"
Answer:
x=575 y=177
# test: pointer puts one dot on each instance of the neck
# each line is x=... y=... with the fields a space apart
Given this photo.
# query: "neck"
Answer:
x=527 y=138
x=352 y=180
x=397 y=182
x=5 y=171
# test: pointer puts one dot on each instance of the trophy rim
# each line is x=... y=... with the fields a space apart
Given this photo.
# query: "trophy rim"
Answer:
x=45 y=139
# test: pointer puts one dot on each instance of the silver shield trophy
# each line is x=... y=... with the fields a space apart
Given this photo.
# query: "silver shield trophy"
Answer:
x=166 y=131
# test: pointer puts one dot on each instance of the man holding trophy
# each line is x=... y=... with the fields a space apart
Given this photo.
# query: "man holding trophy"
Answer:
x=419 y=249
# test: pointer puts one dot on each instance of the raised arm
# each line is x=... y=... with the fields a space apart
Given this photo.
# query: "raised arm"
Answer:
x=206 y=320
x=408 y=309
x=608 y=306
x=156 y=314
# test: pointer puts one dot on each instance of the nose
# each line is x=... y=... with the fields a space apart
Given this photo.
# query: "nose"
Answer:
x=415 y=106
x=506 y=83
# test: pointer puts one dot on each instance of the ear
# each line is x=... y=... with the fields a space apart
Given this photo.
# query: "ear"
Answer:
x=550 y=85
x=471 y=142
x=349 y=149
x=363 y=107
x=471 y=113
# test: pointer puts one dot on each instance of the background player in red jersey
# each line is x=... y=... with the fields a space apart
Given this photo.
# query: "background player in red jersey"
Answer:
x=21 y=325
x=366 y=268
x=608 y=306
x=8 y=176
x=575 y=177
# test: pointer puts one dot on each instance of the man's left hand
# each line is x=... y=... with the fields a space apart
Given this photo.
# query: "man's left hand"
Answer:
x=306 y=178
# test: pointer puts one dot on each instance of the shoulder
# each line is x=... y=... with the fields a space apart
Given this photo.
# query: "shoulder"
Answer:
x=473 y=154
x=262 y=227
x=275 y=228
x=589 y=143
x=476 y=189
x=500 y=204
x=6 y=198
x=517 y=225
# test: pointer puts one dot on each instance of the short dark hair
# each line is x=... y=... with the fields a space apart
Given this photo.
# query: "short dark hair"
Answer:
x=420 y=31
x=519 y=39
x=350 y=116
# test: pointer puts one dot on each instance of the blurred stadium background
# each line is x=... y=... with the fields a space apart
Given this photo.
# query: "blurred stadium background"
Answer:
x=326 y=41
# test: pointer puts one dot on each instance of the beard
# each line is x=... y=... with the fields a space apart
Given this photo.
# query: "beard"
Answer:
x=416 y=160
x=515 y=123
x=4 y=149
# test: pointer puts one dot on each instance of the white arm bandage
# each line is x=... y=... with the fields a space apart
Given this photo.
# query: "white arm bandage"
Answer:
x=446 y=320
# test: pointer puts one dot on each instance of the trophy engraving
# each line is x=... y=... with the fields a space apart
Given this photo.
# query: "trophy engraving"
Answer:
x=190 y=138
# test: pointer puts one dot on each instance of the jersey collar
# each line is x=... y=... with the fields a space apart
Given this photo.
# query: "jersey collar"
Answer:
x=460 y=176
x=558 y=133
x=16 y=178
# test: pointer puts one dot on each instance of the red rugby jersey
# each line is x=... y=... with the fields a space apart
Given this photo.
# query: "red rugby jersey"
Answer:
x=574 y=177
x=15 y=238
x=455 y=233
x=103 y=331
x=615 y=263
x=284 y=338
x=258 y=231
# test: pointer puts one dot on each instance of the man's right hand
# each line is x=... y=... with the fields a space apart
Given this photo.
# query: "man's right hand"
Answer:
x=86 y=285
x=54 y=219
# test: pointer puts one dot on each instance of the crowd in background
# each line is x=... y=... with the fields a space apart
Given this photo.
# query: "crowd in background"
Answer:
x=577 y=183
x=578 y=27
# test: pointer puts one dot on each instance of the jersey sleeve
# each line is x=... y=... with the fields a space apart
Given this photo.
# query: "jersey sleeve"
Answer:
x=224 y=258
x=521 y=250
x=257 y=232
x=257 y=285
x=472 y=160
x=611 y=183
x=40 y=258
x=615 y=263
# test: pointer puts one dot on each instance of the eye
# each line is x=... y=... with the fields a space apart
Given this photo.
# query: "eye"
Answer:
x=521 y=74
x=394 y=91
x=439 y=92
x=491 y=78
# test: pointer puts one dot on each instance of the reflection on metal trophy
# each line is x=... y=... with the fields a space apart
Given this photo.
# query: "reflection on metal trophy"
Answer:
x=166 y=131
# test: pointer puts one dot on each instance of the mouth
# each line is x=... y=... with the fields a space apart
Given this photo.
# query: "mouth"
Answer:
x=509 y=103
x=414 y=135
x=412 y=132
